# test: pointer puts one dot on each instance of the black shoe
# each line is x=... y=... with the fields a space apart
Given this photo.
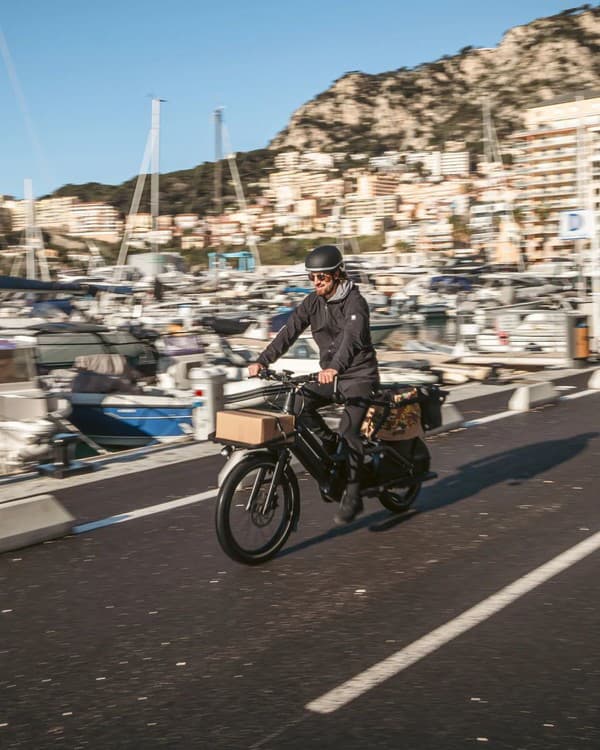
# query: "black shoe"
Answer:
x=350 y=507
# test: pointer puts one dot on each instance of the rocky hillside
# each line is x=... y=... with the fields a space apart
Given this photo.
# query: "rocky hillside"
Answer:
x=439 y=101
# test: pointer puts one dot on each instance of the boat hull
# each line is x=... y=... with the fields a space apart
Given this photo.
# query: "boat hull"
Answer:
x=131 y=421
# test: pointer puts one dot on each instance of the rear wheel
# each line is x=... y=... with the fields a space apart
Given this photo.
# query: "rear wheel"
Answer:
x=400 y=499
x=249 y=530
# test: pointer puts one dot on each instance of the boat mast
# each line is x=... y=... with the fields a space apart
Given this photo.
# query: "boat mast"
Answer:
x=493 y=155
x=218 y=186
x=135 y=204
x=241 y=198
x=155 y=168
x=34 y=241
x=218 y=116
x=29 y=231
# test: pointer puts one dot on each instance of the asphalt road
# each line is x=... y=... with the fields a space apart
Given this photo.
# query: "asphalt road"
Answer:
x=143 y=634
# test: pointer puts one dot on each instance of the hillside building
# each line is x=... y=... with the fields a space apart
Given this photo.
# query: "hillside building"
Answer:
x=557 y=160
x=97 y=221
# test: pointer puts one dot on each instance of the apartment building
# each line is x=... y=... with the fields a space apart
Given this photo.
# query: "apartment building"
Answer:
x=94 y=220
x=379 y=207
x=71 y=216
x=186 y=221
x=312 y=183
x=55 y=213
x=317 y=160
x=287 y=161
x=284 y=186
x=441 y=163
x=138 y=222
x=557 y=165
x=49 y=213
x=372 y=185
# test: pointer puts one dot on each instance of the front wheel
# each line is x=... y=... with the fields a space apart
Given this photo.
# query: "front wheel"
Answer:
x=400 y=499
x=248 y=529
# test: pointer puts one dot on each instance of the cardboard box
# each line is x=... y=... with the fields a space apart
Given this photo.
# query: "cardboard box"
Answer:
x=252 y=426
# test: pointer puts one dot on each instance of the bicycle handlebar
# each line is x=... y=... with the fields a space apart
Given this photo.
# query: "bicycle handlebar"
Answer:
x=287 y=377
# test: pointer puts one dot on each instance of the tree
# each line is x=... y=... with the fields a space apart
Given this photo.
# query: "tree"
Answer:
x=461 y=234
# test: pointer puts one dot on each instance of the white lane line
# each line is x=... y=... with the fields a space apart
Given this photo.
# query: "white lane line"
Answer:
x=489 y=418
x=579 y=394
x=140 y=512
x=513 y=413
x=424 y=646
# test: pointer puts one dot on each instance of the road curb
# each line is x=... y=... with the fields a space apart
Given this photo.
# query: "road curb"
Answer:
x=32 y=520
x=451 y=419
x=527 y=397
x=594 y=381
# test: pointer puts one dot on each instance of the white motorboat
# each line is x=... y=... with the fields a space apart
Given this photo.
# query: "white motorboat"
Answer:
x=29 y=417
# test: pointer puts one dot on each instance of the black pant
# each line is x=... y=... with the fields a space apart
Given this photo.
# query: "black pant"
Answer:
x=317 y=396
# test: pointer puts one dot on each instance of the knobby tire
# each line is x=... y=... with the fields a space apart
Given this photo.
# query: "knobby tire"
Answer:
x=231 y=510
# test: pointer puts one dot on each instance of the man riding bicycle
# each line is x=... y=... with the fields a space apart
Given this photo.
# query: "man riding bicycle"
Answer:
x=339 y=319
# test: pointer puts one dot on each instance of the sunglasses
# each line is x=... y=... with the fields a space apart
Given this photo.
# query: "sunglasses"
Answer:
x=320 y=276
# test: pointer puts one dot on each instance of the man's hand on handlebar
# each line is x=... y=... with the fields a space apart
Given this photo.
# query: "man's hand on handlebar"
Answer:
x=327 y=376
x=254 y=369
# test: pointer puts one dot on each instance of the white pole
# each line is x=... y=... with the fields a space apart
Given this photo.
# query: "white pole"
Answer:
x=135 y=204
x=154 y=179
x=29 y=230
x=581 y=192
x=595 y=245
x=239 y=194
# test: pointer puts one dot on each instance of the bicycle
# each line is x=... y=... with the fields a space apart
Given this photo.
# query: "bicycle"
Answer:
x=259 y=497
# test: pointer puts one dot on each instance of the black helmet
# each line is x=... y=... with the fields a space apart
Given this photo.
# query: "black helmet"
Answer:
x=324 y=258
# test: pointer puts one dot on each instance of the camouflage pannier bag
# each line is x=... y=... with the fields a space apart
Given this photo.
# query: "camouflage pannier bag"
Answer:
x=395 y=416
x=404 y=413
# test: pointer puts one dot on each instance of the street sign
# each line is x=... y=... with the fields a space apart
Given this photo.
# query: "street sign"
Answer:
x=576 y=225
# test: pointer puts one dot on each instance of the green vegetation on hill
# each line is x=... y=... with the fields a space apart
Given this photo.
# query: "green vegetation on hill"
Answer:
x=185 y=191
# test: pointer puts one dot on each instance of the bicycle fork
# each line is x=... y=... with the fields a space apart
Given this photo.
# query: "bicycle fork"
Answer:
x=269 y=503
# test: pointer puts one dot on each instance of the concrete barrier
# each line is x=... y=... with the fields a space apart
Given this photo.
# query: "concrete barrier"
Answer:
x=594 y=381
x=32 y=520
x=526 y=397
x=451 y=419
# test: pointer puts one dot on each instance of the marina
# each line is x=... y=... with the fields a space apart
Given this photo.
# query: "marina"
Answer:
x=128 y=366
x=194 y=558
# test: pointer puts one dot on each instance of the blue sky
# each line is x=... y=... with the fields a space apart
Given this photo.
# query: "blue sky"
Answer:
x=74 y=98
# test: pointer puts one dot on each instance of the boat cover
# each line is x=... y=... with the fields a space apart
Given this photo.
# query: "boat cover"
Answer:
x=104 y=373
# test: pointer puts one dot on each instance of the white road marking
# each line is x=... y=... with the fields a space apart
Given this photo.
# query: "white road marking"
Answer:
x=140 y=512
x=579 y=394
x=512 y=413
x=429 y=643
x=489 y=418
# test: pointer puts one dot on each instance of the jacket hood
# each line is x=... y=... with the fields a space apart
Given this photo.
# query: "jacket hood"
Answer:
x=343 y=290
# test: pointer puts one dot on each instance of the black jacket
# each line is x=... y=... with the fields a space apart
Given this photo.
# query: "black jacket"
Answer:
x=341 y=330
